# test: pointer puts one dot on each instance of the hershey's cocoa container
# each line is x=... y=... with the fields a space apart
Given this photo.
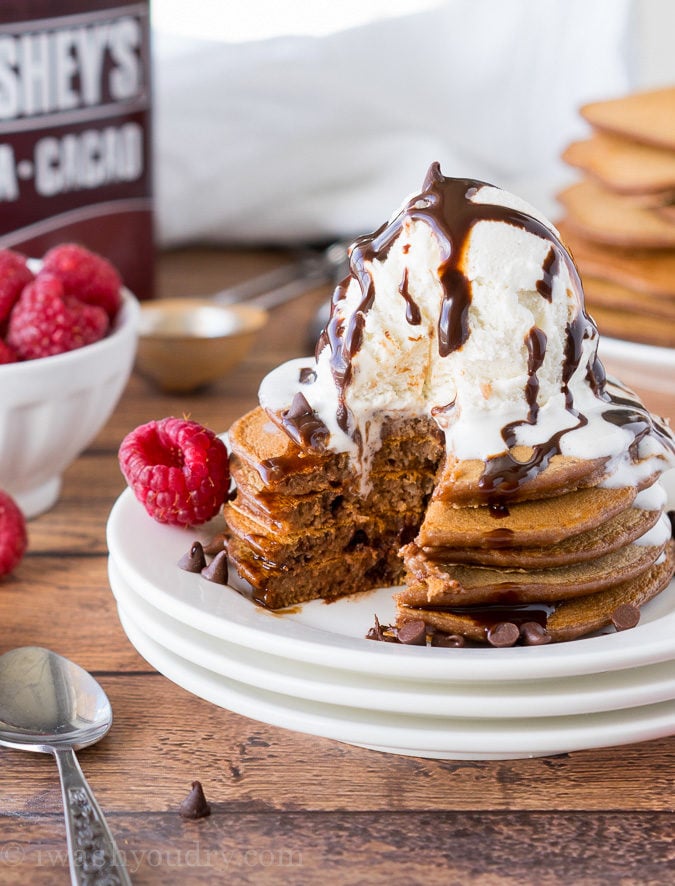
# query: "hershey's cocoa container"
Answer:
x=75 y=149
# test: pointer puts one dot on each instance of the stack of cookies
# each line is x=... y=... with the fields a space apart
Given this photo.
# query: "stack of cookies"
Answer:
x=619 y=218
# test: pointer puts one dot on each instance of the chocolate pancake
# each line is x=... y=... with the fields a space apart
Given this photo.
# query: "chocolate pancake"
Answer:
x=522 y=524
x=435 y=583
x=615 y=533
x=567 y=620
x=459 y=481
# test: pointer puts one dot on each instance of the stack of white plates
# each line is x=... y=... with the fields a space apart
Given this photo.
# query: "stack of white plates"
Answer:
x=313 y=671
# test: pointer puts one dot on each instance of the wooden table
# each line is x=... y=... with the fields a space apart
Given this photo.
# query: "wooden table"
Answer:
x=287 y=808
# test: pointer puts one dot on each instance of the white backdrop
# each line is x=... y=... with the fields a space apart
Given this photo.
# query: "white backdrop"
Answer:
x=313 y=137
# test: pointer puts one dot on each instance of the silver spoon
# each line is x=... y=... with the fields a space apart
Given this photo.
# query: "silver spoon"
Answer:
x=51 y=705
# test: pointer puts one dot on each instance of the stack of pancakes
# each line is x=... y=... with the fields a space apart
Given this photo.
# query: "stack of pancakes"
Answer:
x=620 y=217
x=562 y=558
x=303 y=525
x=564 y=553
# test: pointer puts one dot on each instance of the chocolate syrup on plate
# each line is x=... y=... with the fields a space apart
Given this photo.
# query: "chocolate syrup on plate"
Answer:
x=489 y=615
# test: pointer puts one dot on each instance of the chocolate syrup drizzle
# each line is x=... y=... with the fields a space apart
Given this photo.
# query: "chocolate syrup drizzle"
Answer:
x=445 y=205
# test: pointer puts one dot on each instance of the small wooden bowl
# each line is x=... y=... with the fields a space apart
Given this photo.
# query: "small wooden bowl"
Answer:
x=187 y=343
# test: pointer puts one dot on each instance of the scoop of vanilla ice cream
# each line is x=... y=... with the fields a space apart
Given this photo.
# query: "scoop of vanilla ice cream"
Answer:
x=399 y=368
x=465 y=306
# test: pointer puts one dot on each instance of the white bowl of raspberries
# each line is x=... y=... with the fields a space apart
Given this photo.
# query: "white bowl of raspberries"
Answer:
x=68 y=337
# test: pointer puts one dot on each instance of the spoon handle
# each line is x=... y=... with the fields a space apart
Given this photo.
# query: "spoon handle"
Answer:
x=93 y=855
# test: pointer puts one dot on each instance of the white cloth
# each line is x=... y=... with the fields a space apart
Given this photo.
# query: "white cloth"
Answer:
x=309 y=138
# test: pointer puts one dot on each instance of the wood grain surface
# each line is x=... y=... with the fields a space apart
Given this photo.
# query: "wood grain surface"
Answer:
x=287 y=807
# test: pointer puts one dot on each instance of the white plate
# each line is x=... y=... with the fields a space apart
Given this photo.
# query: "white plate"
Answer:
x=649 y=356
x=535 y=698
x=146 y=554
x=639 y=365
x=437 y=737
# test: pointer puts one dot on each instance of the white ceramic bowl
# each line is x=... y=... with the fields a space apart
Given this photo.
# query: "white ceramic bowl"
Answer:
x=52 y=408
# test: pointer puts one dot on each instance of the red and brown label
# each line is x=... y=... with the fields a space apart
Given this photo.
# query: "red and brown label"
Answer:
x=75 y=149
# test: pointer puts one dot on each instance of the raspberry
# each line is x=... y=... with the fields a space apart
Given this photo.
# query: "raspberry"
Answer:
x=14 y=275
x=85 y=275
x=178 y=469
x=7 y=355
x=45 y=321
x=13 y=536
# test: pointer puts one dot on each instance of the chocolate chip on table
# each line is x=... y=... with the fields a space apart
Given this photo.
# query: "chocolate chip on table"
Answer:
x=413 y=633
x=625 y=616
x=448 y=641
x=217 y=570
x=504 y=633
x=534 y=634
x=194 y=560
x=195 y=804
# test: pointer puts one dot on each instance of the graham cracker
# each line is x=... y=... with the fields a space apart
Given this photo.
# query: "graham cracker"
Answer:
x=646 y=270
x=647 y=116
x=634 y=326
x=612 y=296
x=609 y=218
x=622 y=165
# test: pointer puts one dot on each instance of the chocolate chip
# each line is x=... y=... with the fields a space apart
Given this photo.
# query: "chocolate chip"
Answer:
x=504 y=633
x=625 y=616
x=448 y=641
x=215 y=545
x=217 y=570
x=299 y=407
x=306 y=375
x=534 y=634
x=194 y=560
x=377 y=632
x=413 y=633
x=195 y=804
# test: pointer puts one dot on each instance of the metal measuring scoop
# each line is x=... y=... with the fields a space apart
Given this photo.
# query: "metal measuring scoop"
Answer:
x=51 y=705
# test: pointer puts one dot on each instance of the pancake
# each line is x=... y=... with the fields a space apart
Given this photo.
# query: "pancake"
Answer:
x=526 y=523
x=434 y=583
x=567 y=620
x=300 y=517
x=620 y=530
x=458 y=481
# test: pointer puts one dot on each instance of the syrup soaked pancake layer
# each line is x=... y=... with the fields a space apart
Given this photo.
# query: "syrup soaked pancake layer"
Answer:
x=522 y=524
